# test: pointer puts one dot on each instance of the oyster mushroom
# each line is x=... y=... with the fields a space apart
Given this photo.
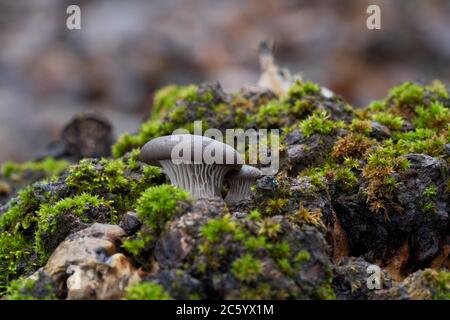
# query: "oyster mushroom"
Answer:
x=195 y=163
x=240 y=183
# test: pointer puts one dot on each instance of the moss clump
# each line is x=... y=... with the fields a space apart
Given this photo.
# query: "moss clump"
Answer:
x=352 y=145
x=49 y=166
x=169 y=113
x=430 y=191
x=43 y=214
x=215 y=228
x=115 y=177
x=441 y=284
x=304 y=215
x=301 y=89
x=13 y=254
x=243 y=247
x=275 y=206
x=54 y=219
x=436 y=117
x=269 y=228
x=421 y=141
x=157 y=205
x=389 y=120
x=270 y=115
x=147 y=291
x=30 y=289
x=247 y=268
x=166 y=98
x=319 y=123
x=302 y=256
x=407 y=94
x=381 y=165
x=359 y=126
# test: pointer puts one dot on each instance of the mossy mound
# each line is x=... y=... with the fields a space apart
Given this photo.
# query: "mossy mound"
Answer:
x=45 y=213
x=372 y=182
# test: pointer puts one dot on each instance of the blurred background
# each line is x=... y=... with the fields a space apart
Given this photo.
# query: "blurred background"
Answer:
x=127 y=49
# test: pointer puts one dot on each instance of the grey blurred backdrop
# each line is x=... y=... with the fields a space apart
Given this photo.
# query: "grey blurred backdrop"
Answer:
x=127 y=49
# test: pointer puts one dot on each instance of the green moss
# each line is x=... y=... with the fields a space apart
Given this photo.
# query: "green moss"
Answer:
x=302 y=257
x=344 y=178
x=165 y=99
x=438 y=88
x=125 y=143
x=301 y=108
x=254 y=215
x=382 y=163
x=253 y=243
x=270 y=114
x=49 y=167
x=147 y=291
x=316 y=178
x=377 y=106
x=389 y=120
x=436 y=116
x=136 y=245
x=407 y=94
x=421 y=141
x=428 y=207
x=430 y=191
x=301 y=89
x=351 y=145
x=269 y=228
x=53 y=217
x=215 y=228
x=361 y=126
x=246 y=268
x=325 y=292
x=113 y=177
x=42 y=215
x=13 y=253
x=274 y=206
x=441 y=285
x=167 y=115
x=29 y=289
x=16 y=216
x=320 y=123
x=158 y=204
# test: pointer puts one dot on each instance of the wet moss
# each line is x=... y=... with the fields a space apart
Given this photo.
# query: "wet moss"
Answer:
x=157 y=205
x=48 y=166
x=30 y=289
x=320 y=123
x=43 y=214
x=58 y=220
x=147 y=291
x=14 y=251
x=247 y=268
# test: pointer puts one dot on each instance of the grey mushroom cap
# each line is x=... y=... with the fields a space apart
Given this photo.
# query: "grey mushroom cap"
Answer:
x=162 y=148
x=246 y=172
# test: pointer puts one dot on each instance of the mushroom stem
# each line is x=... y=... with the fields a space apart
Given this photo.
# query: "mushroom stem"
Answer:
x=203 y=181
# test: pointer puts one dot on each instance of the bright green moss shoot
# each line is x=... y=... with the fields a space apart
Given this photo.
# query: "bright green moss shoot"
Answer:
x=320 y=123
x=49 y=166
x=158 y=204
x=147 y=291
x=22 y=289
x=247 y=268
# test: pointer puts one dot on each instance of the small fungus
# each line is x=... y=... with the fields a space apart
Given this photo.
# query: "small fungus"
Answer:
x=195 y=163
x=240 y=183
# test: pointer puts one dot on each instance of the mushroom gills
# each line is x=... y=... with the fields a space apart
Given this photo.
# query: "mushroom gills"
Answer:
x=203 y=181
x=240 y=189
